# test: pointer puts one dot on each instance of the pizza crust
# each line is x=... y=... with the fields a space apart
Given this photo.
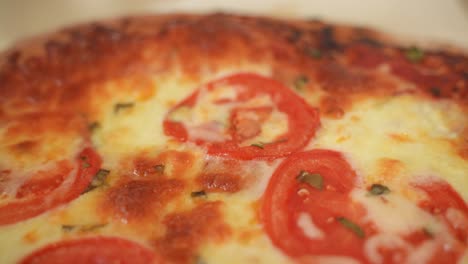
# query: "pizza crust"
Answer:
x=393 y=119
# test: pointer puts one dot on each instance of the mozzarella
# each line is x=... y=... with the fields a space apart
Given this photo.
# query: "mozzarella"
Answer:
x=304 y=221
x=404 y=211
x=393 y=142
x=410 y=130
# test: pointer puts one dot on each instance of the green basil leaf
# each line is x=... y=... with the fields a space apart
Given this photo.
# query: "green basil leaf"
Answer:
x=378 y=189
x=313 y=179
x=351 y=226
x=414 y=54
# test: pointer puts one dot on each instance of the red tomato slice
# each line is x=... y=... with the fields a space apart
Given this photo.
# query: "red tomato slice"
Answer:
x=96 y=250
x=444 y=202
x=245 y=120
x=286 y=198
x=49 y=189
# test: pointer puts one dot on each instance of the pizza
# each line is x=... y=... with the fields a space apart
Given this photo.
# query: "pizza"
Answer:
x=225 y=138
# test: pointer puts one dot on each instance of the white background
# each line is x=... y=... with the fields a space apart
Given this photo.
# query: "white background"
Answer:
x=439 y=20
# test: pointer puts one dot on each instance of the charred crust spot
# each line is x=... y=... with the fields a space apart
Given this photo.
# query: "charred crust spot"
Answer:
x=224 y=176
x=294 y=35
x=220 y=182
x=435 y=91
x=58 y=73
x=327 y=39
x=25 y=146
x=186 y=231
x=336 y=78
x=370 y=41
x=332 y=107
x=138 y=199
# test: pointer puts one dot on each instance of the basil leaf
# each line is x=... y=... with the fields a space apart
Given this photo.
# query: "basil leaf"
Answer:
x=351 y=226
x=428 y=232
x=85 y=163
x=313 y=179
x=82 y=228
x=414 y=54
x=300 y=82
x=258 y=145
x=201 y=193
x=120 y=106
x=378 y=189
x=314 y=53
x=435 y=91
x=98 y=180
x=159 y=168
x=68 y=228
x=94 y=126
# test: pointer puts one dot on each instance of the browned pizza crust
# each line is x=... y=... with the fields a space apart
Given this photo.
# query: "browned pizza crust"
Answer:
x=62 y=71
x=58 y=71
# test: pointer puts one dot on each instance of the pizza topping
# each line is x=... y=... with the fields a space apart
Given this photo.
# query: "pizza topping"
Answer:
x=186 y=231
x=122 y=106
x=82 y=228
x=443 y=201
x=313 y=179
x=304 y=221
x=236 y=115
x=378 y=189
x=98 y=180
x=351 y=226
x=300 y=82
x=225 y=175
x=221 y=181
x=314 y=53
x=414 y=54
x=343 y=219
x=435 y=91
x=92 y=127
x=136 y=200
x=431 y=239
x=54 y=171
x=201 y=193
x=258 y=145
x=428 y=232
x=329 y=209
x=92 y=250
x=159 y=168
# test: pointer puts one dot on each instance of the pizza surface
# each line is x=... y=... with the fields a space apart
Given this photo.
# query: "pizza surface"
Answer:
x=232 y=139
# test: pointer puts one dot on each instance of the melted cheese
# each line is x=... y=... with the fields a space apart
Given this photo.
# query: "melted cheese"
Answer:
x=391 y=142
x=366 y=134
x=378 y=211
x=305 y=222
x=208 y=120
x=30 y=147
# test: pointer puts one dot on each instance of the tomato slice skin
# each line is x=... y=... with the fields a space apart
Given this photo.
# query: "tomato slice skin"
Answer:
x=303 y=120
x=287 y=198
x=441 y=197
x=283 y=202
x=36 y=197
x=100 y=250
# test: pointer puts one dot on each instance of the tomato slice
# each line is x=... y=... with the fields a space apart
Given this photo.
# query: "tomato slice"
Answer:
x=444 y=202
x=309 y=219
x=46 y=190
x=229 y=116
x=287 y=200
x=449 y=208
x=100 y=250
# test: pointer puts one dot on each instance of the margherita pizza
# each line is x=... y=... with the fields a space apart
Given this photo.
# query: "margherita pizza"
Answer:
x=232 y=139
